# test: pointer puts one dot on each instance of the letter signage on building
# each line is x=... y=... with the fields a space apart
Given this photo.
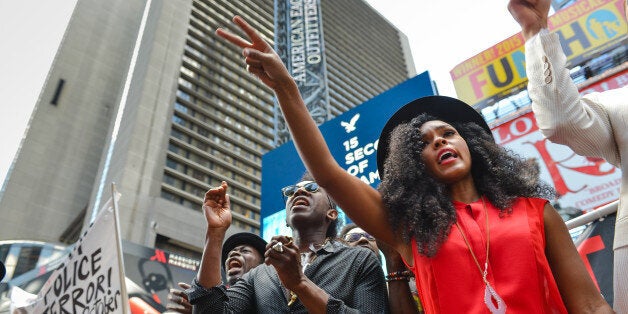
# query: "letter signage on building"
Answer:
x=586 y=28
x=299 y=43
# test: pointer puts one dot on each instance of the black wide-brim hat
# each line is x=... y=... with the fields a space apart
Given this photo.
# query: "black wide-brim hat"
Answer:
x=243 y=238
x=447 y=109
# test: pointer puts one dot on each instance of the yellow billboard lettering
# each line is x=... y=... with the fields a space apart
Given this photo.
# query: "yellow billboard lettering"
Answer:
x=467 y=66
x=585 y=29
x=568 y=14
x=508 y=45
x=507 y=71
x=489 y=54
x=477 y=84
x=473 y=63
x=519 y=60
x=578 y=36
x=575 y=11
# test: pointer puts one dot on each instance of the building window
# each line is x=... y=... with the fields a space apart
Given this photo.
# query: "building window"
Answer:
x=183 y=95
x=180 y=107
x=169 y=180
x=173 y=148
x=178 y=120
x=171 y=197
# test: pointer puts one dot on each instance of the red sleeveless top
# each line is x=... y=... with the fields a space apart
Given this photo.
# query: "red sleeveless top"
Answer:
x=450 y=282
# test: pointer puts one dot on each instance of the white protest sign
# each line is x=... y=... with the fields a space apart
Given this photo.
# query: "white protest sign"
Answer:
x=91 y=280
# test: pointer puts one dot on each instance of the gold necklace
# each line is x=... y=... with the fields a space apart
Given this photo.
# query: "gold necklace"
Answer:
x=490 y=295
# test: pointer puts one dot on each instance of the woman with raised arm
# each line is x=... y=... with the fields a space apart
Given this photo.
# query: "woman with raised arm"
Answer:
x=465 y=215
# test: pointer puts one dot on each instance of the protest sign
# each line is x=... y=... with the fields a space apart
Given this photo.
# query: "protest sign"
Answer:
x=91 y=280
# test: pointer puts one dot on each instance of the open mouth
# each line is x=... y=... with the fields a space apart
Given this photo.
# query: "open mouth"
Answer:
x=233 y=265
x=300 y=201
x=447 y=155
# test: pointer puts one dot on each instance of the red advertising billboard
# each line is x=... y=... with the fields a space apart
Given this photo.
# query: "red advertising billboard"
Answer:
x=581 y=182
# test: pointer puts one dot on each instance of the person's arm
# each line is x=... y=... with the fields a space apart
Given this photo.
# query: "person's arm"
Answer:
x=369 y=295
x=207 y=293
x=288 y=267
x=367 y=210
x=217 y=209
x=576 y=286
x=400 y=299
x=563 y=116
x=238 y=298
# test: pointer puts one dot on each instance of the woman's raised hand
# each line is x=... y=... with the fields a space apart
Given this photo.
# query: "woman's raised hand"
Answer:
x=260 y=58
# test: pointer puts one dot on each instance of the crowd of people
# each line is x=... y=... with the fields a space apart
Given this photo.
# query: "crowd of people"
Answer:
x=464 y=225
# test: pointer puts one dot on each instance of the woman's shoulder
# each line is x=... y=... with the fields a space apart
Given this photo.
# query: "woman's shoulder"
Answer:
x=533 y=206
x=535 y=201
x=523 y=201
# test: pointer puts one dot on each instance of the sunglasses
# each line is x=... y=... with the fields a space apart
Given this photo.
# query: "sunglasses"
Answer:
x=290 y=190
x=309 y=186
x=354 y=237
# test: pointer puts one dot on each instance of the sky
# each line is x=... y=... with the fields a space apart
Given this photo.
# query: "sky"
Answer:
x=441 y=34
x=30 y=32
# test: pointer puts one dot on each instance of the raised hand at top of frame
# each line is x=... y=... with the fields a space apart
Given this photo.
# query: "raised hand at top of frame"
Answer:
x=260 y=58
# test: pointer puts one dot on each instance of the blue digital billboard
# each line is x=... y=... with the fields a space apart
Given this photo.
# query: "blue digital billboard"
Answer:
x=352 y=139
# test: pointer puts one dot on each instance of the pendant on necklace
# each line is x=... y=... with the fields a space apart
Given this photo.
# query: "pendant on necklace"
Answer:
x=491 y=297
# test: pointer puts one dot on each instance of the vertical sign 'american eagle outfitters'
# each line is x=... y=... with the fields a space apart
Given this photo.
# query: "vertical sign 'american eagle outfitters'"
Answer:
x=299 y=43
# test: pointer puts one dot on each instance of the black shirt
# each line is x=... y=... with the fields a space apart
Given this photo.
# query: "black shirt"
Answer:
x=352 y=276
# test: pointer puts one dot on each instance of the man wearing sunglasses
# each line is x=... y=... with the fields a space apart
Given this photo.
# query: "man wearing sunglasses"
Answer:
x=310 y=272
x=355 y=236
x=402 y=294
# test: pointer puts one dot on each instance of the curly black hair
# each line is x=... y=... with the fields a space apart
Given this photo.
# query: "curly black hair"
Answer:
x=420 y=206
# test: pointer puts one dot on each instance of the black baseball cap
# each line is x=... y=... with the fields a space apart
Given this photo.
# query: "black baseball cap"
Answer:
x=447 y=109
x=243 y=238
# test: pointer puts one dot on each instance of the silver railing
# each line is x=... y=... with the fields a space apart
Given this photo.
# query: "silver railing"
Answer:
x=592 y=215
